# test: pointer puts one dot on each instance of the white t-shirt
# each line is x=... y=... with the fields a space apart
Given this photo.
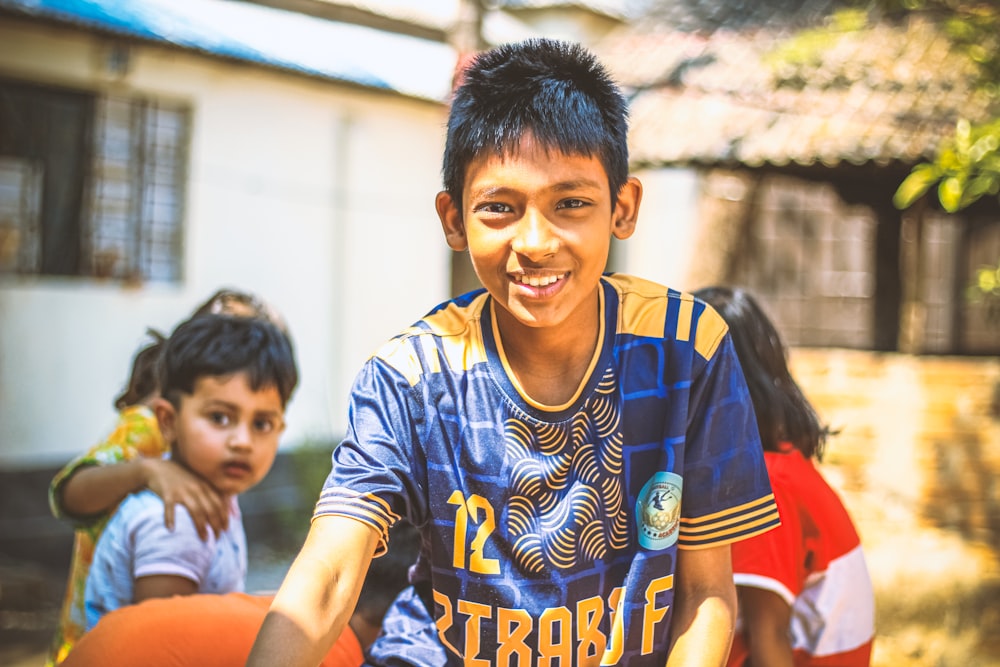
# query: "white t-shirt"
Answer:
x=136 y=543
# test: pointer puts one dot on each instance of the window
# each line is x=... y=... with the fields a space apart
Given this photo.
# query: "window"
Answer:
x=90 y=185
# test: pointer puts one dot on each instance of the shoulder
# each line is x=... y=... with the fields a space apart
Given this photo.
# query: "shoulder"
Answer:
x=139 y=512
x=650 y=310
x=450 y=335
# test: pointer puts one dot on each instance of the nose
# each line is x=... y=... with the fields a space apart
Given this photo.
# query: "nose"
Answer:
x=534 y=237
x=239 y=436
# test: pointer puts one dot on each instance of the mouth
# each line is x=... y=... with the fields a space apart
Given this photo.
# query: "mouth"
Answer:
x=538 y=279
x=236 y=469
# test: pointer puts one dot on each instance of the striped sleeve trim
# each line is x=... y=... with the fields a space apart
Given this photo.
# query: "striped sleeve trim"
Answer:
x=363 y=507
x=731 y=525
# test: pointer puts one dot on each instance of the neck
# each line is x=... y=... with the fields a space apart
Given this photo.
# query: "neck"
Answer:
x=548 y=365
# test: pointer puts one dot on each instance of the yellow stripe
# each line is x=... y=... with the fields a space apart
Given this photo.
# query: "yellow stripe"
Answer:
x=711 y=535
x=716 y=517
x=460 y=339
x=711 y=329
x=735 y=519
x=643 y=306
x=692 y=546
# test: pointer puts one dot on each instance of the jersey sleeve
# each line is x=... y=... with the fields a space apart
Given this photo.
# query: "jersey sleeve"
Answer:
x=727 y=495
x=376 y=473
x=136 y=433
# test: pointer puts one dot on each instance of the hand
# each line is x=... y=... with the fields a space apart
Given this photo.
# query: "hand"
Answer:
x=175 y=485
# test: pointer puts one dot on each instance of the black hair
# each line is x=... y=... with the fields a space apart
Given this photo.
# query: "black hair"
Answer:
x=219 y=345
x=783 y=412
x=143 y=381
x=556 y=91
x=388 y=574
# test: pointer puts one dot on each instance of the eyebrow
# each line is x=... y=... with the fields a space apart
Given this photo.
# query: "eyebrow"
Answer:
x=219 y=403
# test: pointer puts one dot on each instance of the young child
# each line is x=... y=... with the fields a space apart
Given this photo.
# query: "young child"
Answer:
x=578 y=451
x=805 y=597
x=225 y=382
x=218 y=630
x=87 y=489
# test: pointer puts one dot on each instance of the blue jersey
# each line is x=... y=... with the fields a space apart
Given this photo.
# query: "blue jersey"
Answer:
x=551 y=532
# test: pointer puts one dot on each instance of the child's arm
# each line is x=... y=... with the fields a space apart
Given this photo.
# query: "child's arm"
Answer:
x=96 y=489
x=704 y=607
x=768 y=618
x=162 y=586
x=318 y=595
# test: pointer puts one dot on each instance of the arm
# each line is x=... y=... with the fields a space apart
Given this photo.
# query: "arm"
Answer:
x=704 y=608
x=767 y=618
x=318 y=595
x=96 y=489
x=162 y=586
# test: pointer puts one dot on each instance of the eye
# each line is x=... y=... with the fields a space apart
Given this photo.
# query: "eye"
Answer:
x=493 y=207
x=219 y=418
x=263 y=425
x=571 y=203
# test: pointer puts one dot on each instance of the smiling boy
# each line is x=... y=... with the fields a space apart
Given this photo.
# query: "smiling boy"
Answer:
x=225 y=384
x=578 y=450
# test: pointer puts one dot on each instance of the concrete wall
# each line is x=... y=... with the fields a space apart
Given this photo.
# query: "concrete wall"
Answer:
x=317 y=196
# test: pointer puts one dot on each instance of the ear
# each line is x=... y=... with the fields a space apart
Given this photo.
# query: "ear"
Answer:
x=451 y=221
x=166 y=415
x=626 y=211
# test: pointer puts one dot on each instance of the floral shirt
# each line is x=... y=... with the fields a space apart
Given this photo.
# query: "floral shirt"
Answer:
x=136 y=434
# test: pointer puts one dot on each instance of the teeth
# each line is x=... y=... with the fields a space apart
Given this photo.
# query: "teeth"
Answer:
x=540 y=281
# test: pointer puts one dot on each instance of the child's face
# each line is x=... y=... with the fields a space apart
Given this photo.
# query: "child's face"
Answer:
x=224 y=431
x=538 y=227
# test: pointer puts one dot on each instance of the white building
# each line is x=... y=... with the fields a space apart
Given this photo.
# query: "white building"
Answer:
x=153 y=151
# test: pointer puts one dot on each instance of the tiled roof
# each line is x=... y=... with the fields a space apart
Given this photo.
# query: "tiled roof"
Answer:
x=887 y=91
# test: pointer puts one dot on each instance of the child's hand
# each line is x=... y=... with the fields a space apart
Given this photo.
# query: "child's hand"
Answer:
x=176 y=485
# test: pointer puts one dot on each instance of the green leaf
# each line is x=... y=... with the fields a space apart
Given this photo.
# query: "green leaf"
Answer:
x=983 y=184
x=950 y=194
x=920 y=180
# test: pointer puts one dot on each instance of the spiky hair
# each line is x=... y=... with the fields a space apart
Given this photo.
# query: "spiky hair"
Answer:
x=556 y=91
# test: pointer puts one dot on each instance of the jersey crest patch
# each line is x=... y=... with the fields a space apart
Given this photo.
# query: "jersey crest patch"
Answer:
x=658 y=511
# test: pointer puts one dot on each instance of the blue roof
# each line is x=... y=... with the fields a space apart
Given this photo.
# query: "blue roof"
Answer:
x=276 y=38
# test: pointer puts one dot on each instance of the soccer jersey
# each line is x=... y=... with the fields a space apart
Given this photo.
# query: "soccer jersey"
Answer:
x=815 y=563
x=551 y=532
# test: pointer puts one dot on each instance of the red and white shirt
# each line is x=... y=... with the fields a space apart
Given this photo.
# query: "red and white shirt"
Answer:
x=813 y=561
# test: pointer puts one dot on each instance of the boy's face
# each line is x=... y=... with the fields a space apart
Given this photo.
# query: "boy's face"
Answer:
x=538 y=227
x=224 y=431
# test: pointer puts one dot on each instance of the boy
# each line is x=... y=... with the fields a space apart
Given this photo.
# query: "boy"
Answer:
x=225 y=382
x=557 y=436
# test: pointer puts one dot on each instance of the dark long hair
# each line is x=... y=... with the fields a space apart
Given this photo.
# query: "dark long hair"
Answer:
x=783 y=412
x=143 y=381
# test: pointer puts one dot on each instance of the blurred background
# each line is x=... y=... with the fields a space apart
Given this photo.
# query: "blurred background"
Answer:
x=838 y=158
